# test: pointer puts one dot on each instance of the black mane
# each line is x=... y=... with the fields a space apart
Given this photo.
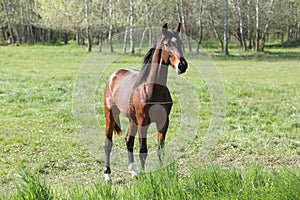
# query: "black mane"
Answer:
x=145 y=70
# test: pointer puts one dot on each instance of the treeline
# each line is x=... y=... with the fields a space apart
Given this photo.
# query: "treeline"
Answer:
x=90 y=22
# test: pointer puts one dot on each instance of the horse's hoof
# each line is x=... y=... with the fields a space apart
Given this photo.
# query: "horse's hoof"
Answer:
x=134 y=176
x=132 y=170
x=107 y=177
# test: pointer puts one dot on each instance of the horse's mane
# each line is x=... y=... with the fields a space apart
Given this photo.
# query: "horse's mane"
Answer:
x=145 y=70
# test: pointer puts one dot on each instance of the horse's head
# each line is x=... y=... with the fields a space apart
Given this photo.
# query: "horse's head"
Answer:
x=172 y=49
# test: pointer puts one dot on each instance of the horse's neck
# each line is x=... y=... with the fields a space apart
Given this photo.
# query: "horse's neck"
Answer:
x=158 y=72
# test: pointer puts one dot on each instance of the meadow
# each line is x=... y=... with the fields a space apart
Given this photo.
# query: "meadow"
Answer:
x=255 y=154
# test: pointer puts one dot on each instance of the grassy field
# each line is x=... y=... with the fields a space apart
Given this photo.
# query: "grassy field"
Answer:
x=256 y=155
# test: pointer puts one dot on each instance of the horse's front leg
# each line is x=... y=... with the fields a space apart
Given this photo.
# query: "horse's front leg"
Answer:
x=132 y=129
x=161 y=135
x=142 y=130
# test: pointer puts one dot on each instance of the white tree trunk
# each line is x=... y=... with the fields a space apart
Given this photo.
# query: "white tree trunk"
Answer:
x=257 y=26
x=183 y=26
x=241 y=27
x=125 y=41
x=263 y=36
x=88 y=34
x=5 y=2
x=200 y=25
x=249 y=24
x=110 y=28
x=131 y=36
x=226 y=52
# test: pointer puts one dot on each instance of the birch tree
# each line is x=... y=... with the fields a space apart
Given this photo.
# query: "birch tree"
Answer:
x=131 y=27
x=200 y=25
x=226 y=52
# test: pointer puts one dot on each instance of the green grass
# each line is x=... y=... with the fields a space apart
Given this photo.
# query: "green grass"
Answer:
x=205 y=182
x=256 y=156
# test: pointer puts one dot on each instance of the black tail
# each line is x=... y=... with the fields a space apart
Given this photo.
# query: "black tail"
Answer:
x=117 y=128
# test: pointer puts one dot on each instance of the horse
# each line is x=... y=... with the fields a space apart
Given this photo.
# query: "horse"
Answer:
x=143 y=97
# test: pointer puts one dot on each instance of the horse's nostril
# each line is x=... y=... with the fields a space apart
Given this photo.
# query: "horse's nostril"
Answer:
x=182 y=65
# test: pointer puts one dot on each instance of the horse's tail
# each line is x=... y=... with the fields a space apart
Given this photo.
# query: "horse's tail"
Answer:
x=117 y=128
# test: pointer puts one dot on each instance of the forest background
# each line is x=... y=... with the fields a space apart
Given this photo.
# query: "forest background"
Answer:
x=90 y=22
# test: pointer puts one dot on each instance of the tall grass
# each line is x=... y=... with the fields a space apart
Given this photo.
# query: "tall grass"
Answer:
x=32 y=187
x=204 y=182
x=254 y=182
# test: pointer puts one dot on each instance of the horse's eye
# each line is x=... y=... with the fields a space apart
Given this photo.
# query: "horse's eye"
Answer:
x=168 y=44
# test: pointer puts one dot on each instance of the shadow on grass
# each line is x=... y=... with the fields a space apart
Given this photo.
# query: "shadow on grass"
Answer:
x=267 y=55
x=273 y=52
x=286 y=44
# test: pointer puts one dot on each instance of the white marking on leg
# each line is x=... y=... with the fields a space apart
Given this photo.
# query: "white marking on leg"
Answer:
x=107 y=177
x=132 y=170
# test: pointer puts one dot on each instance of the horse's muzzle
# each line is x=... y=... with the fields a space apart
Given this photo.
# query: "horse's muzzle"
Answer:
x=182 y=66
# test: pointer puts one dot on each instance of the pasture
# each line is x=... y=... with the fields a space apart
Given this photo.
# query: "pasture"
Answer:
x=256 y=155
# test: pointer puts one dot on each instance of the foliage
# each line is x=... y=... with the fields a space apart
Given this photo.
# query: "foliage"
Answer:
x=40 y=20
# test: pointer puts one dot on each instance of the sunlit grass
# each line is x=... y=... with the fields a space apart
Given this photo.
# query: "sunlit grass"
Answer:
x=205 y=182
x=37 y=130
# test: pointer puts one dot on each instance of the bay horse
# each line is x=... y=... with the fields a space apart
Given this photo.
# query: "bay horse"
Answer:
x=143 y=97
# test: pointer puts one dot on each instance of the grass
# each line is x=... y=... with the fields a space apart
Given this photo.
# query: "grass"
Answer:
x=256 y=156
x=205 y=182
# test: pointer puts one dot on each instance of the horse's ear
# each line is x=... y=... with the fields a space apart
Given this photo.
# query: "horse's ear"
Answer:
x=177 y=29
x=165 y=28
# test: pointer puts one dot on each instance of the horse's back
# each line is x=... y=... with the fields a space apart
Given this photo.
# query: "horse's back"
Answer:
x=120 y=76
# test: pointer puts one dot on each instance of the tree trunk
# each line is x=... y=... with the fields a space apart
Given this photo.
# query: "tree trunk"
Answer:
x=212 y=23
x=100 y=28
x=148 y=26
x=65 y=37
x=265 y=32
x=183 y=26
x=16 y=34
x=241 y=24
x=43 y=37
x=23 y=29
x=49 y=32
x=111 y=48
x=131 y=36
x=78 y=37
x=150 y=37
x=257 y=26
x=125 y=41
x=142 y=40
x=29 y=26
x=226 y=52
x=88 y=34
x=263 y=37
x=200 y=26
x=100 y=41
x=5 y=4
x=1 y=34
x=249 y=24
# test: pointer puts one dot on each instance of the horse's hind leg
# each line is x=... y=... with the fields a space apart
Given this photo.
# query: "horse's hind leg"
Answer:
x=110 y=125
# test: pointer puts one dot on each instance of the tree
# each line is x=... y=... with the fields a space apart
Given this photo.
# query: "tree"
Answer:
x=7 y=15
x=183 y=26
x=200 y=25
x=88 y=28
x=237 y=6
x=131 y=29
x=226 y=52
